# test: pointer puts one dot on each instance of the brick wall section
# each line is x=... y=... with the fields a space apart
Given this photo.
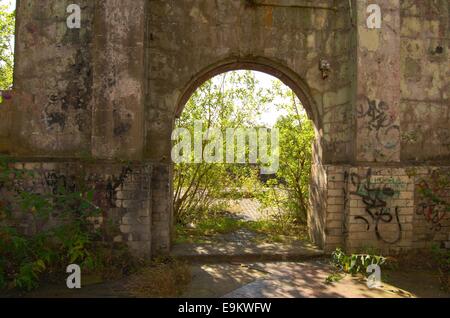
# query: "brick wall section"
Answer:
x=122 y=191
x=383 y=208
x=318 y=203
x=380 y=208
x=337 y=207
x=162 y=207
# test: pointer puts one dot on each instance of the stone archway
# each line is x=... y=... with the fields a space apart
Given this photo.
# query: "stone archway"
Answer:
x=189 y=42
x=109 y=92
x=267 y=66
x=261 y=64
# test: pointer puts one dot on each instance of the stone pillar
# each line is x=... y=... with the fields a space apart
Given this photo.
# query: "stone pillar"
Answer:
x=377 y=199
x=378 y=84
x=119 y=72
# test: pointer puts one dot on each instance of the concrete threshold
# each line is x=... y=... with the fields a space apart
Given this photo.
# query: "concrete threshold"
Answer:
x=213 y=253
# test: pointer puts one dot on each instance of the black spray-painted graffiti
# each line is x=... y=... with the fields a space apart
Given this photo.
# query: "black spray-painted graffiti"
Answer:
x=375 y=198
x=103 y=190
x=115 y=183
x=57 y=182
x=380 y=121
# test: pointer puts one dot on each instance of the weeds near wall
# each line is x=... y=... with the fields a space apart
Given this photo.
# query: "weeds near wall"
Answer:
x=435 y=190
x=62 y=232
x=442 y=258
x=353 y=264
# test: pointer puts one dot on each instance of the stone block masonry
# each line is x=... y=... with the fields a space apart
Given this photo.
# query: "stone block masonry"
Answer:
x=121 y=191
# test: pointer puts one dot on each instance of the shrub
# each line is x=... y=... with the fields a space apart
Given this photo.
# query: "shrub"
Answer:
x=25 y=260
x=355 y=263
x=442 y=258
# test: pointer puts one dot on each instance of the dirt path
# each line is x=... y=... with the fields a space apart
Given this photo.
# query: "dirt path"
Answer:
x=250 y=210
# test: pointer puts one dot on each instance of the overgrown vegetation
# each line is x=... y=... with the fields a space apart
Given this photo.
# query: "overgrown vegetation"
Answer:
x=442 y=258
x=236 y=100
x=270 y=230
x=61 y=232
x=434 y=189
x=352 y=264
x=7 y=21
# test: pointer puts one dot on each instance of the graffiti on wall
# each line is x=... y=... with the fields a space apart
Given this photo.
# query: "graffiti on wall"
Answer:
x=55 y=182
x=381 y=121
x=433 y=203
x=434 y=214
x=115 y=183
x=105 y=191
x=375 y=197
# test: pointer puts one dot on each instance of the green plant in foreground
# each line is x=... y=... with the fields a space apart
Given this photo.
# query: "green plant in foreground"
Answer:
x=353 y=264
x=26 y=260
x=442 y=258
x=334 y=278
x=208 y=227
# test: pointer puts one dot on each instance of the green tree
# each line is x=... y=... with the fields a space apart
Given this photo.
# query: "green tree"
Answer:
x=289 y=189
x=231 y=100
x=7 y=26
x=236 y=100
x=296 y=134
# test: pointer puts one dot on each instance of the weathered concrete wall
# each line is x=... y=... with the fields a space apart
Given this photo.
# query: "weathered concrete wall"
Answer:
x=190 y=41
x=378 y=85
x=112 y=89
x=79 y=92
x=119 y=72
x=52 y=97
x=425 y=90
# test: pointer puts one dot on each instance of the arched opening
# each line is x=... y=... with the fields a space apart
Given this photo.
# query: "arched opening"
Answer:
x=263 y=65
x=224 y=197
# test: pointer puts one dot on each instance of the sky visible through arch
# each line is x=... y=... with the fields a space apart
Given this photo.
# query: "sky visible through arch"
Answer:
x=271 y=112
x=11 y=4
